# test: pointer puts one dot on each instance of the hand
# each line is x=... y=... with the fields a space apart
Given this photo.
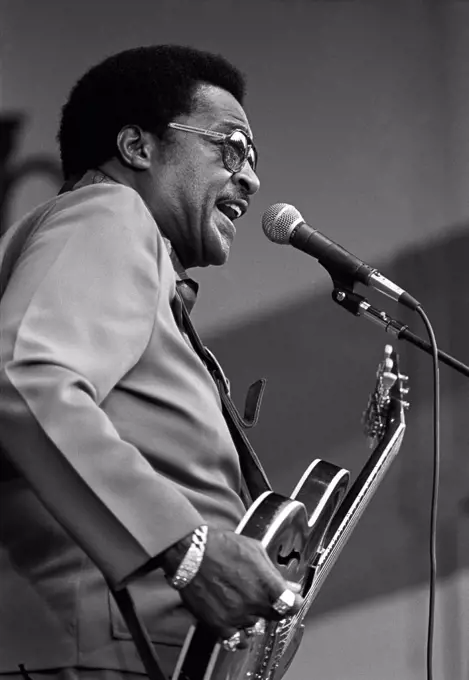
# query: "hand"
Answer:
x=235 y=585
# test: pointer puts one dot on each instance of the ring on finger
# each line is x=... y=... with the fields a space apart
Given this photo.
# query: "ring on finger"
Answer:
x=285 y=602
x=231 y=644
x=257 y=629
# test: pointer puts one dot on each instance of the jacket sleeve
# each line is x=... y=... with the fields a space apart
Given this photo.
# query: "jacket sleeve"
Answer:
x=77 y=315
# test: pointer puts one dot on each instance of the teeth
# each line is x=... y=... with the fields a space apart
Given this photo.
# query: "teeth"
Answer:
x=236 y=209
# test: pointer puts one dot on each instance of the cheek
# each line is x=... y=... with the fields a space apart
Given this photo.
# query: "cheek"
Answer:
x=201 y=183
x=203 y=191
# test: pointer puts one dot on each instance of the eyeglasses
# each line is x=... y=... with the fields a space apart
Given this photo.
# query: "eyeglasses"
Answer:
x=237 y=146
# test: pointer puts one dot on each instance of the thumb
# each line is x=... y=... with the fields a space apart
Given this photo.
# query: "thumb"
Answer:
x=293 y=586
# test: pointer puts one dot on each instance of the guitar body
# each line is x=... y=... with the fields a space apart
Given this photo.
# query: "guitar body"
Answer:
x=303 y=536
x=292 y=531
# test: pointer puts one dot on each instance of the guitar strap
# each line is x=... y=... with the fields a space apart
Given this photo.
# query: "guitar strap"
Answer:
x=254 y=479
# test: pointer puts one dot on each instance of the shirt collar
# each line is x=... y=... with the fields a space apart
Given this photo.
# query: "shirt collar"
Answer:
x=187 y=287
x=178 y=268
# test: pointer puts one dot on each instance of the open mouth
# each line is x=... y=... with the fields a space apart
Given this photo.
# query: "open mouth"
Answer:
x=231 y=210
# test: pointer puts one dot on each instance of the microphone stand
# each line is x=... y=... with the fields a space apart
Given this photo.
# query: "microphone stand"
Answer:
x=359 y=306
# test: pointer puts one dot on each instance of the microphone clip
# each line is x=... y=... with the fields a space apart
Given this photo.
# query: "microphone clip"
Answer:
x=358 y=306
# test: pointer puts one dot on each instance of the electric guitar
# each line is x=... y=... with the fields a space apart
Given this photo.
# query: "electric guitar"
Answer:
x=303 y=536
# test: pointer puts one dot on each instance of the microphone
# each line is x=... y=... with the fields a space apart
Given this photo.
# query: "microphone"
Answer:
x=284 y=224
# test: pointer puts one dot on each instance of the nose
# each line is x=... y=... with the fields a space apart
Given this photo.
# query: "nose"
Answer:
x=247 y=179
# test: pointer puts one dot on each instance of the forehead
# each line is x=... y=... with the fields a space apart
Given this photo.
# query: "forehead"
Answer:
x=217 y=109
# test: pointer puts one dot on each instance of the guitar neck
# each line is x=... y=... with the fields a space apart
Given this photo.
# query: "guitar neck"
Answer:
x=353 y=506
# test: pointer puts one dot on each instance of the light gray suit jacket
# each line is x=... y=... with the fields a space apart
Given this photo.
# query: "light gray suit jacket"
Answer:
x=112 y=440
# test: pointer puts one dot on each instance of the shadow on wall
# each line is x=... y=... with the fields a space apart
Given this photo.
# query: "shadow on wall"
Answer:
x=12 y=174
x=320 y=362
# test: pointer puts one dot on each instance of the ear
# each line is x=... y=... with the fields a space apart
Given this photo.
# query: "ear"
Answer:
x=136 y=147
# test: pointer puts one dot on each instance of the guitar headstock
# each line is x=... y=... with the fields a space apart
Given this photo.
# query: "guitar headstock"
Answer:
x=386 y=403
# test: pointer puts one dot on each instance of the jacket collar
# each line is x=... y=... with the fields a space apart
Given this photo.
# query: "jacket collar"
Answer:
x=187 y=287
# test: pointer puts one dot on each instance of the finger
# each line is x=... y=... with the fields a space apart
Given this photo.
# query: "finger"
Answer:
x=244 y=641
x=250 y=622
x=258 y=628
x=295 y=587
x=236 y=640
x=297 y=604
x=232 y=642
x=226 y=633
x=287 y=603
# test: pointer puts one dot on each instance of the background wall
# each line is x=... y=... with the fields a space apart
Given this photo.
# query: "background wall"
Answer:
x=361 y=114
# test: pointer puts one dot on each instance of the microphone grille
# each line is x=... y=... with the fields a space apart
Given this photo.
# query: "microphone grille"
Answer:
x=279 y=221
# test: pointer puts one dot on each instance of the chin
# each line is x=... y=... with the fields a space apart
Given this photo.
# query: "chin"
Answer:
x=215 y=259
x=218 y=252
x=223 y=255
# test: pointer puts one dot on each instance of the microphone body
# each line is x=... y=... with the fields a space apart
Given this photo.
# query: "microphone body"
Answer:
x=282 y=223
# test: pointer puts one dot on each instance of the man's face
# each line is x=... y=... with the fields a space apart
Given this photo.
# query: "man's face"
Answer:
x=190 y=189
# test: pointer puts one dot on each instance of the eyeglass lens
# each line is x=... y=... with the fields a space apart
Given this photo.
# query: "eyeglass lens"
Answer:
x=238 y=151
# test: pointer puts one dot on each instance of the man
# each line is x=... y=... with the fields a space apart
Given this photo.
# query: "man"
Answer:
x=116 y=456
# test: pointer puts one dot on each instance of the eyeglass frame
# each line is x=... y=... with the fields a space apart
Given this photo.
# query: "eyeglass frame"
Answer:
x=222 y=137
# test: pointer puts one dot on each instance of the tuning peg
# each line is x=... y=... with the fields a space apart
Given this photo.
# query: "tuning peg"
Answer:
x=404 y=390
x=388 y=379
x=405 y=405
x=404 y=378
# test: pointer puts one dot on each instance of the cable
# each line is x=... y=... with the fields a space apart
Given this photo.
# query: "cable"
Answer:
x=434 y=498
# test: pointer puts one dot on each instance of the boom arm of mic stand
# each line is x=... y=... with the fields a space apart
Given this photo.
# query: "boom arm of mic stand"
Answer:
x=359 y=306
